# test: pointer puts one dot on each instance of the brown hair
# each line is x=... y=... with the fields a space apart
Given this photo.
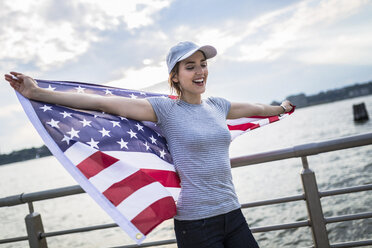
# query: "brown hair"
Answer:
x=175 y=86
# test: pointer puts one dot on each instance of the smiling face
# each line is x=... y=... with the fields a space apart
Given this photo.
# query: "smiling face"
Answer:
x=192 y=76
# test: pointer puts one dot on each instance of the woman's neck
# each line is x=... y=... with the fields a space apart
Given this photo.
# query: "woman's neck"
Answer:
x=194 y=99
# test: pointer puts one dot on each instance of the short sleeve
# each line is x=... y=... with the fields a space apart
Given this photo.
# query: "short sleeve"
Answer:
x=161 y=107
x=222 y=104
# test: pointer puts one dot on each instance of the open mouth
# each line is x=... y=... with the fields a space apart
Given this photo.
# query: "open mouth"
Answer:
x=198 y=82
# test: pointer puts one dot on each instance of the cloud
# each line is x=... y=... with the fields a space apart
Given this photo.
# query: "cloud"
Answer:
x=307 y=28
x=10 y=110
x=137 y=78
x=26 y=137
x=308 y=31
x=36 y=32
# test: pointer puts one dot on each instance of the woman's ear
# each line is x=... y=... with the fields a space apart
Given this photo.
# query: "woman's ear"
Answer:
x=175 y=78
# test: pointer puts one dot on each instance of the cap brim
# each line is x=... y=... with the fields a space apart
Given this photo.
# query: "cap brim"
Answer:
x=209 y=52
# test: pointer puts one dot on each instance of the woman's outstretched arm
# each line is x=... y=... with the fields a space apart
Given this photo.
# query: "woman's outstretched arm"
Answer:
x=239 y=110
x=137 y=109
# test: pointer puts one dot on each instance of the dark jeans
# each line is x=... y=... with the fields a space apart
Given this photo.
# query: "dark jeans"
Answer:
x=222 y=231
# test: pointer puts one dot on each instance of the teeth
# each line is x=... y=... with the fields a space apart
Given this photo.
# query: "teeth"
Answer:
x=199 y=81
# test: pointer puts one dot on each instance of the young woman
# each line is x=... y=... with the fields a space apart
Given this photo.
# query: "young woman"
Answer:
x=208 y=211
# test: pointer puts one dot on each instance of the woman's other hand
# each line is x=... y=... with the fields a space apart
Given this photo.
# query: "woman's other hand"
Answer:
x=25 y=85
x=287 y=105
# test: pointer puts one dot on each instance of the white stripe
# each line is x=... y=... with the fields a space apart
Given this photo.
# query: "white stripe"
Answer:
x=78 y=152
x=264 y=122
x=174 y=191
x=141 y=199
x=240 y=121
x=112 y=174
x=235 y=133
x=142 y=160
x=283 y=116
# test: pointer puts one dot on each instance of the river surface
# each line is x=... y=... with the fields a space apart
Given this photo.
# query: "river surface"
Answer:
x=350 y=167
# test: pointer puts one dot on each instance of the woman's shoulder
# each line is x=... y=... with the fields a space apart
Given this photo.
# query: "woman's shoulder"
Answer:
x=217 y=100
x=161 y=101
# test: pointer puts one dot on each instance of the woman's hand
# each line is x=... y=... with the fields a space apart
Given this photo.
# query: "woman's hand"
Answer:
x=287 y=105
x=25 y=85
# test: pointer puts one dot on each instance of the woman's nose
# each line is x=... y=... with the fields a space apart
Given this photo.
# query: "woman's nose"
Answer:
x=199 y=70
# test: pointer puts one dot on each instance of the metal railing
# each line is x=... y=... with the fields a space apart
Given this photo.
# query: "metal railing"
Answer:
x=316 y=220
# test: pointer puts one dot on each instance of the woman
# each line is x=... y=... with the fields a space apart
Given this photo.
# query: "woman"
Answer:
x=208 y=211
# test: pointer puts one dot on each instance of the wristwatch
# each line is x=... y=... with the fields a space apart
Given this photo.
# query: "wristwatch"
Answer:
x=283 y=108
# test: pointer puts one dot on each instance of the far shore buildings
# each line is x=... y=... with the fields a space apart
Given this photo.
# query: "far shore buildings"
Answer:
x=301 y=100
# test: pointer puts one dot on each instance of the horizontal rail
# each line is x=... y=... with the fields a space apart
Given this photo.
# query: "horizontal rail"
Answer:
x=11 y=240
x=348 y=217
x=149 y=244
x=77 y=230
x=303 y=150
x=40 y=195
x=346 y=190
x=280 y=226
x=254 y=230
x=296 y=151
x=273 y=201
x=352 y=244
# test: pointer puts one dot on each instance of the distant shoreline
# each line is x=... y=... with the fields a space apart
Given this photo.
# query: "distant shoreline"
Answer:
x=24 y=155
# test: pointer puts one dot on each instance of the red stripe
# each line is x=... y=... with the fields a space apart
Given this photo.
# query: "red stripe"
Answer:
x=273 y=119
x=166 y=178
x=243 y=127
x=155 y=214
x=121 y=190
x=95 y=163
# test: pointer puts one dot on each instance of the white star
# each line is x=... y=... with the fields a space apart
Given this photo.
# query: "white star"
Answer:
x=104 y=132
x=50 y=88
x=65 y=114
x=73 y=133
x=67 y=139
x=162 y=153
x=53 y=123
x=153 y=140
x=123 y=118
x=95 y=116
x=115 y=123
x=147 y=146
x=46 y=108
x=164 y=97
x=132 y=134
x=108 y=92
x=93 y=143
x=122 y=144
x=143 y=93
x=139 y=127
x=80 y=89
x=85 y=123
x=133 y=96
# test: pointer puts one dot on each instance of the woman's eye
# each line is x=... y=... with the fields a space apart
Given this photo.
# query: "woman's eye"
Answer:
x=204 y=65
x=189 y=68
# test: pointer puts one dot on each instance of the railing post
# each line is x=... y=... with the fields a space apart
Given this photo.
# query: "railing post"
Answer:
x=34 y=227
x=314 y=207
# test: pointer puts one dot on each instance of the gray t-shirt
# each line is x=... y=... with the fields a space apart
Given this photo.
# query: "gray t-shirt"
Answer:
x=199 y=140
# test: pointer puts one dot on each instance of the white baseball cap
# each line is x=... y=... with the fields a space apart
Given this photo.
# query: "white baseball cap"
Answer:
x=184 y=50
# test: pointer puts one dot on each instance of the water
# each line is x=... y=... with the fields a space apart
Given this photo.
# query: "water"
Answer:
x=333 y=170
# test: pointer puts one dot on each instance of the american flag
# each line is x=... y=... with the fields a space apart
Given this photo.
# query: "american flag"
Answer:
x=123 y=164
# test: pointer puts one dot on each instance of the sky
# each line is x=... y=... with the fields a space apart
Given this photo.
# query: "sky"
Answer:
x=267 y=50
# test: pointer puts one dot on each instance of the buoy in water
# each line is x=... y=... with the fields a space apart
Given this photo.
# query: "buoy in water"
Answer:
x=360 y=112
